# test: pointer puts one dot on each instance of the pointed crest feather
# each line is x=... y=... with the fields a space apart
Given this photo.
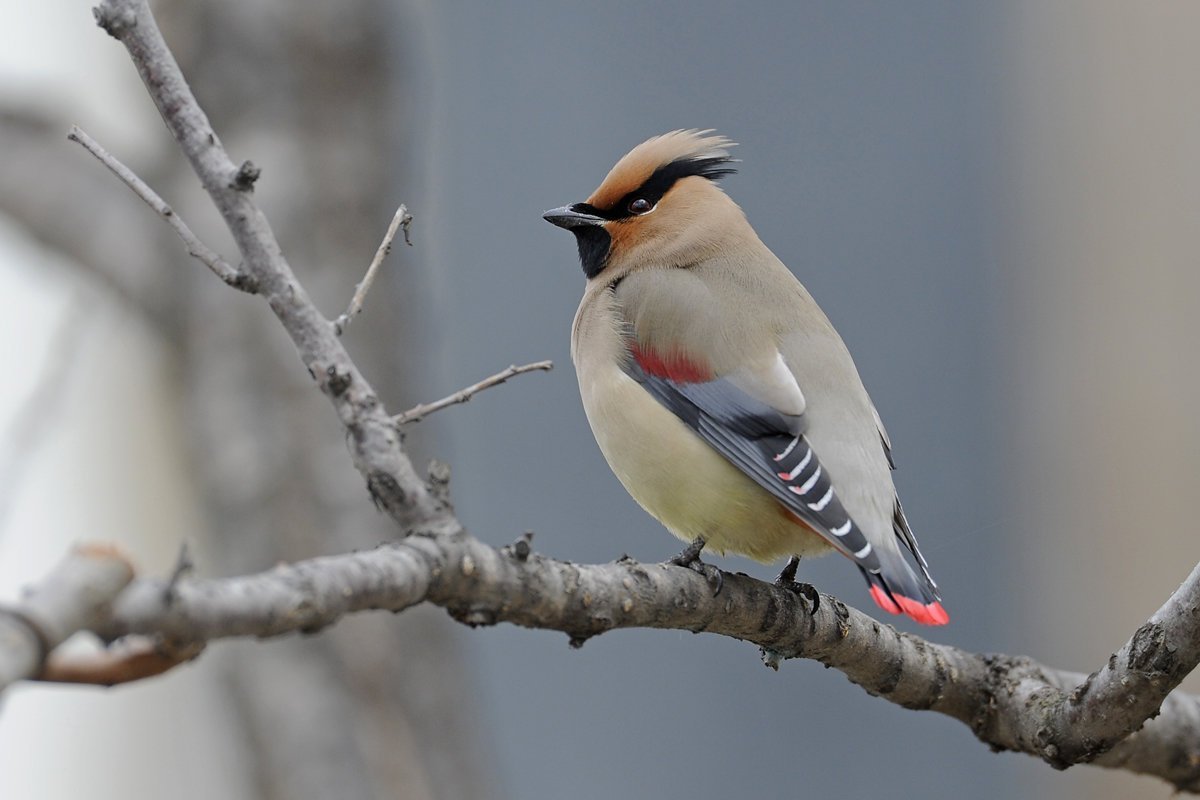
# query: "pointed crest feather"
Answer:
x=708 y=152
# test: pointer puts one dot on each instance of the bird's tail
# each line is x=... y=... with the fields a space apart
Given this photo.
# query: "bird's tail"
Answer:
x=898 y=589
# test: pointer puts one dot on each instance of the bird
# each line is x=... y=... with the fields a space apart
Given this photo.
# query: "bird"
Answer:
x=718 y=390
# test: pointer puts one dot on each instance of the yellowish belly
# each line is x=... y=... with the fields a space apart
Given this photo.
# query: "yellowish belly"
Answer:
x=683 y=482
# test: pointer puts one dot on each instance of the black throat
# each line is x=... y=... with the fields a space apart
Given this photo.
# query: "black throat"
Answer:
x=594 y=244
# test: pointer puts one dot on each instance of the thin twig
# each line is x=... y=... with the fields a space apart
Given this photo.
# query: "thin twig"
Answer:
x=463 y=395
x=403 y=219
x=39 y=189
x=196 y=248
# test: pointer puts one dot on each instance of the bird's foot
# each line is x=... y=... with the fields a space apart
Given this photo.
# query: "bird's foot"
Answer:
x=787 y=581
x=787 y=575
x=690 y=557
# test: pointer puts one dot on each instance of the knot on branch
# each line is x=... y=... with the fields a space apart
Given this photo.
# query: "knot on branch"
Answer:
x=385 y=490
x=473 y=616
x=246 y=176
x=521 y=549
x=243 y=282
x=337 y=381
x=114 y=22
x=439 y=482
x=1150 y=653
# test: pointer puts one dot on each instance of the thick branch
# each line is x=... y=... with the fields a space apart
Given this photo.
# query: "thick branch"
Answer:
x=1117 y=699
x=372 y=437
x=1010 y=702
x=75 y=596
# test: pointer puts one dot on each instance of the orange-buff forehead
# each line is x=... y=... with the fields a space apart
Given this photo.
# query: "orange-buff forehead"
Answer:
x=640 y=163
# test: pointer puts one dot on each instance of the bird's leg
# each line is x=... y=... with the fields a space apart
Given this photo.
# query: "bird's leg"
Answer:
x=787 y=575
x=690 y=554
x=787 y=582
x=690 y=557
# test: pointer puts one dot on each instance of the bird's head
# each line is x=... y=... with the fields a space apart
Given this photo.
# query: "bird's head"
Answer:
x=659 y=207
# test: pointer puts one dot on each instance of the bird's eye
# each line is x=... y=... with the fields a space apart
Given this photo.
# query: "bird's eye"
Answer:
x=639 y=205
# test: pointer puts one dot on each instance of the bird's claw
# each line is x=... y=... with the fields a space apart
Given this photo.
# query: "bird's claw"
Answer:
x=690 y=554
x=787 y=576
x=787 y=581
x=690 y=557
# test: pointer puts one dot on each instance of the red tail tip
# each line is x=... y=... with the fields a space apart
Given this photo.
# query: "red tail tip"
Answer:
x=931 y=614
x=883 y=601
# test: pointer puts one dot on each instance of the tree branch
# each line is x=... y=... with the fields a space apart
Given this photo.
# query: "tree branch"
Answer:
x=372 y=437
x=73 y=597
x=196 y=248
x=423 y=410
x=42 y=190
x=402 y=219
x=1009 y=702
x=132 y=659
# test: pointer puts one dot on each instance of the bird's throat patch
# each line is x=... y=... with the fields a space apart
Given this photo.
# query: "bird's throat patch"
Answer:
x=594 y=244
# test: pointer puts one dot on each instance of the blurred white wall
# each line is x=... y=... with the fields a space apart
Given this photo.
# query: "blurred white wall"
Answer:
x=107 y=464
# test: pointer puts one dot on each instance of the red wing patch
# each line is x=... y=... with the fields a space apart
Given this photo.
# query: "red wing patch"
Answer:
x=673 y=366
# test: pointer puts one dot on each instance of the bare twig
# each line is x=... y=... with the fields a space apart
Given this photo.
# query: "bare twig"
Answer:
x=463 y=395
x=132 y=659
x=196 y=248
x=39 y=189
x=35 y=418
x=73 y=597
x=402 y=219
x=183 y=567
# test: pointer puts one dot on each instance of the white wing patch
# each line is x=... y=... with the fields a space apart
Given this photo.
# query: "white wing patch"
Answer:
x=771 y=382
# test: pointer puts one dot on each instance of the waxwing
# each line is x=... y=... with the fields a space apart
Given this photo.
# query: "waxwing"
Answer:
x=717 y=389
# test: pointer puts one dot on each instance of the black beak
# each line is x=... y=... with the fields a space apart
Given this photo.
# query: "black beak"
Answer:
x=571 y=217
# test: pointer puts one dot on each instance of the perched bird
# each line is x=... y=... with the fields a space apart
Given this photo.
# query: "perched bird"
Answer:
x=717 y=389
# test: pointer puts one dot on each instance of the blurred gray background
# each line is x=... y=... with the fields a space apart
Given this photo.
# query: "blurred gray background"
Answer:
x=868 y=135
x=994 y=203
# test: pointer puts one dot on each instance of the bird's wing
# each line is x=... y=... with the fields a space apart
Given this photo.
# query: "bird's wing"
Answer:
x=739 y=415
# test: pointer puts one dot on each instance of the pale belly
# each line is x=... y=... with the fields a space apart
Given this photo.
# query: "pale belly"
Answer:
x=683 y=482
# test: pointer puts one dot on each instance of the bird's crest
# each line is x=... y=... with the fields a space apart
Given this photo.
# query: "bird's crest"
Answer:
x=655 y=164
